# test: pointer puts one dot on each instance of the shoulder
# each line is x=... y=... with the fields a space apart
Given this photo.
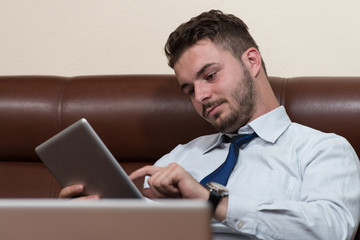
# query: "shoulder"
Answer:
x=312 y=144
x=315 y=136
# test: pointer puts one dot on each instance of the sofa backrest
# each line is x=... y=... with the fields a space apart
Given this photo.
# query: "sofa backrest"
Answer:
x=329 y=104
x=139 y=117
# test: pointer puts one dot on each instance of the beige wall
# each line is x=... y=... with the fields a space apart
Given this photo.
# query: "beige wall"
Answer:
x=81 y=37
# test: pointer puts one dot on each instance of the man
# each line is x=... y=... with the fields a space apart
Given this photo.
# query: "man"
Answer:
x=288 y=182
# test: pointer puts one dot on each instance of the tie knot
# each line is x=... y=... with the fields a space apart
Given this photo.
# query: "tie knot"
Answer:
x=240 y=139
x=222 y=173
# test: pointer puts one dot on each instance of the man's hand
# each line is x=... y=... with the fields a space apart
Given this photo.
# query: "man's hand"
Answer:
x=76 y=191
x=171 y=181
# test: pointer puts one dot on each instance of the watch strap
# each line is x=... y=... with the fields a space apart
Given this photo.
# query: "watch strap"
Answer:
x=214 y=199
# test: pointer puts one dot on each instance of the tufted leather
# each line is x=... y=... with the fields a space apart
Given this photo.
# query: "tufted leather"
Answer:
x=142 y=117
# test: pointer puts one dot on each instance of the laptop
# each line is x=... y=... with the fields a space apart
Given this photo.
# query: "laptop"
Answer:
x=110 y=219
x=77 y=155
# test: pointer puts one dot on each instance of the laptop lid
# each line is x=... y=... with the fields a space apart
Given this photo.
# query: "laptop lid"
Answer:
x=77 y=155
x=104 y=219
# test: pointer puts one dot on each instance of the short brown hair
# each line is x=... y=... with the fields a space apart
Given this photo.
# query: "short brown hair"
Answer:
x=225 y=30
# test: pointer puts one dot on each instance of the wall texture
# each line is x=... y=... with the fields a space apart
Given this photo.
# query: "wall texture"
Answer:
x=81 y=37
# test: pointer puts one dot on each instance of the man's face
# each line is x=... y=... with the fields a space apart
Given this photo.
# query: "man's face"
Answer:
x=219 y=85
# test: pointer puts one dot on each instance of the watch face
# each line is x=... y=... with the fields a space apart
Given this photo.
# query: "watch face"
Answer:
x=217 y=187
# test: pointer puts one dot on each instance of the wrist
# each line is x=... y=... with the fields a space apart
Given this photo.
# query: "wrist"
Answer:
x=221 y=210
x=218 y=198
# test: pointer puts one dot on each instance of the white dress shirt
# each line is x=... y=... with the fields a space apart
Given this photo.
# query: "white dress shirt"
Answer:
x=292 y=182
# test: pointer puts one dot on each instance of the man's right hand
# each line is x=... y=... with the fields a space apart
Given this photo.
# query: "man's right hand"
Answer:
x=76 y=191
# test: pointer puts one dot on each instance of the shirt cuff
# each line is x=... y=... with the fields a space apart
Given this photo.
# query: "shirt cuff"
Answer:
x=242 y=214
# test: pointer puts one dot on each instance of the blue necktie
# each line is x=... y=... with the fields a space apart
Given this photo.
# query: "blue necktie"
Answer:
x=222 y=173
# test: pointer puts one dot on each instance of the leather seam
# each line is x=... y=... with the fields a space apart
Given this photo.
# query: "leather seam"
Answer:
x=283 y=91
x=60 y=103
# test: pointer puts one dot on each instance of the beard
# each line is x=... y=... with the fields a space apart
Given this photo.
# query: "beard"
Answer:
x=239 y=114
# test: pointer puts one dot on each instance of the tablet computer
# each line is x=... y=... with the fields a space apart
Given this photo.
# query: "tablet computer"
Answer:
x=76 y=155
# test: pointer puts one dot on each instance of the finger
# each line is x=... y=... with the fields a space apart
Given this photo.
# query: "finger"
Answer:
x=164 y=182
x=91 y=197
x=144 y=171
x=147 y=192
x=162 y=189
x=71 y=191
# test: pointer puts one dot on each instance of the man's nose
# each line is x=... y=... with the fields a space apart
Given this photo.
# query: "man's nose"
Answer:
x=202 y=91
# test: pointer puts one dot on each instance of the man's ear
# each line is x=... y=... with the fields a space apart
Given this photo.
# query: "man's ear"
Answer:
x=252 y=60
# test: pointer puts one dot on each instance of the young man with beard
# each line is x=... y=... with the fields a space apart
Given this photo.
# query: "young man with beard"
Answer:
x=289 y=181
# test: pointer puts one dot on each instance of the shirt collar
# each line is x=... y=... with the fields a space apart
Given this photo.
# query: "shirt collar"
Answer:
x=269 y=127
x=216 y=143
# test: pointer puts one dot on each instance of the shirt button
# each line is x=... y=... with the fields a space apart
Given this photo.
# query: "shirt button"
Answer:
x=240 y=224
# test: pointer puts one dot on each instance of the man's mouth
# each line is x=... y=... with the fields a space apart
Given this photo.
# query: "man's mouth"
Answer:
x=210 y=110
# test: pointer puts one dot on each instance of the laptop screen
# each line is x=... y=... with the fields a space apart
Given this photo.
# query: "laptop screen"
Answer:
x=104 y=219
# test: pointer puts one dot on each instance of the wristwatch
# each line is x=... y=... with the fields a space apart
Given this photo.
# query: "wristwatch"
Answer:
x=217 y=192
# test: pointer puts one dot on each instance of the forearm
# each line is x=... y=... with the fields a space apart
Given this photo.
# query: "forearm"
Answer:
x=290 y=219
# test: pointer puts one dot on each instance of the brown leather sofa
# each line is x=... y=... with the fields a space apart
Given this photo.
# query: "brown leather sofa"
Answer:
x=140 y=118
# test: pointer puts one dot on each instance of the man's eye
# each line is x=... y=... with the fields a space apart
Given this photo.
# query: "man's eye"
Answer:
x=191 y=92
x=211 y=76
